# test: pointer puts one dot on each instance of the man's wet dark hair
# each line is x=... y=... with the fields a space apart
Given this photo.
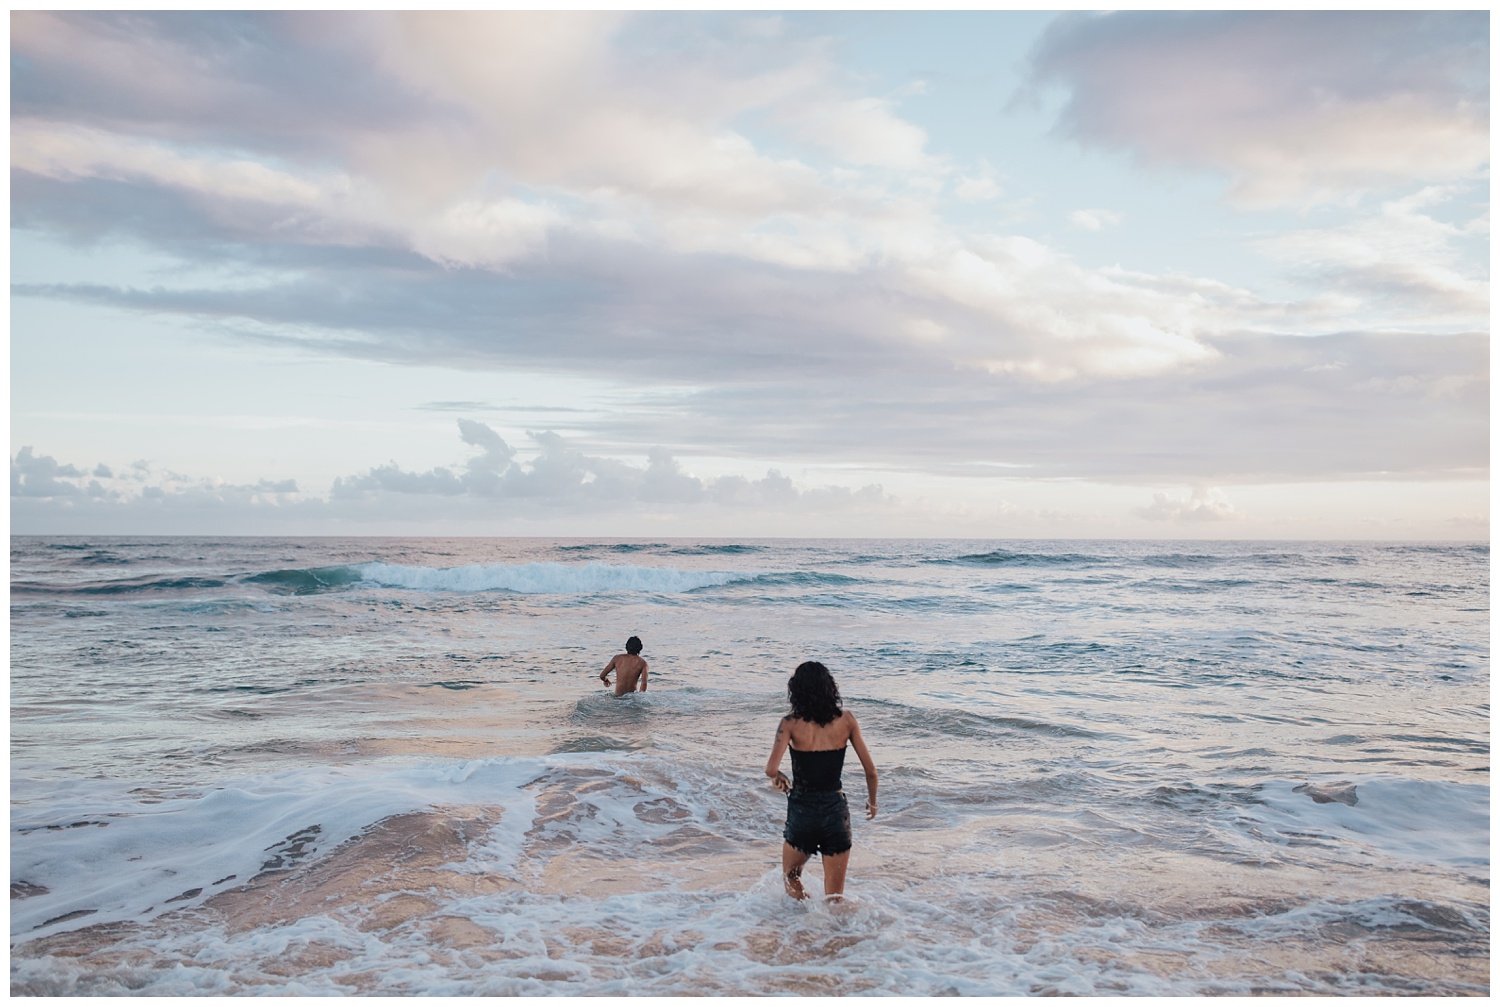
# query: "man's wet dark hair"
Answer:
x=813 y=694
x=633 y=645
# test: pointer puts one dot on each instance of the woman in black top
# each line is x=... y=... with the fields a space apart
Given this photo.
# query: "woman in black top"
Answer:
x=817 y=815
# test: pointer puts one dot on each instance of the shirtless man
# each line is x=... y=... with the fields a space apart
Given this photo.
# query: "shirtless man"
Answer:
x=631 y=667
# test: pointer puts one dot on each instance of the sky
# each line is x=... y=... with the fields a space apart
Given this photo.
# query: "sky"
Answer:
x=1164 y=275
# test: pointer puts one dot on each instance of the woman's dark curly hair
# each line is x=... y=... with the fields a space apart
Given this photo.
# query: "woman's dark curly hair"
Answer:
x=813 y=694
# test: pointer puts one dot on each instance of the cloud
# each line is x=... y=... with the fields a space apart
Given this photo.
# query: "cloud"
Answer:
x=1010 y=304
x=864 y=131
x=494 y=483
x=1404 y=406
x=983 y=185
x=1093 y=220
x=972 y=190
x=42 y=477
x=766 y=368
x=1204 y=504
x=485 y=470
x=456 y=406
x=1400 y=265
x=559 y=475
x=518 y=192
x=502 y=126
x=624 y=200
x=33 y=475
x=1293 y=106
x=565 y=205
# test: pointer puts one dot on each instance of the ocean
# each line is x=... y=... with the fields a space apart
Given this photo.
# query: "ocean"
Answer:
x=388 y=767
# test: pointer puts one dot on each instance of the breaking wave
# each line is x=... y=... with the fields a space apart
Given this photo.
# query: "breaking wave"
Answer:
x=1006 y=557
x=546 y=578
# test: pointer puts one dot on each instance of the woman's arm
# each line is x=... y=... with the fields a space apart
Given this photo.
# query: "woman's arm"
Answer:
x=773 y=764
x=872 y=778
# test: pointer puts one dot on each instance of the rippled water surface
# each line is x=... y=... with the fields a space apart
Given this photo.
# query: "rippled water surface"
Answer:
x=387 y=766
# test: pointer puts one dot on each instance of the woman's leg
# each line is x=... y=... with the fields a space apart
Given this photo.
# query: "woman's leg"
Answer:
x=792 y=860
x=835 y=866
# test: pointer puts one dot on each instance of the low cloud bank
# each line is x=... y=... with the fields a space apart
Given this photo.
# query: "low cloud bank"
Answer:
x=1202 y=504
x=493 y=482
x=560 y=475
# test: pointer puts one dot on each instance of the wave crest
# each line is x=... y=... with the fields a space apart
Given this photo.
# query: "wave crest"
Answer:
x=1005 y=557
x=546 y=578
x=306 y=581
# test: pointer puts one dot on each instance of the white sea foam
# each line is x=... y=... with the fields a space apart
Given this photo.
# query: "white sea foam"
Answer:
x=672 y=942
x=131 y=860
x=126 y=861
x=679 y=935
x=547 y=578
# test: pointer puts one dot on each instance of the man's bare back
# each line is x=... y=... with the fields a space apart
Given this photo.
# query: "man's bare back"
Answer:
x=630 y=669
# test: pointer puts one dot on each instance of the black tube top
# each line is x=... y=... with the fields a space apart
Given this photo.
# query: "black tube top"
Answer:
x=820 y=771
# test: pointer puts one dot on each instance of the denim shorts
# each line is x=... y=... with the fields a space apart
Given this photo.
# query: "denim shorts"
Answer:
x=818 y=822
